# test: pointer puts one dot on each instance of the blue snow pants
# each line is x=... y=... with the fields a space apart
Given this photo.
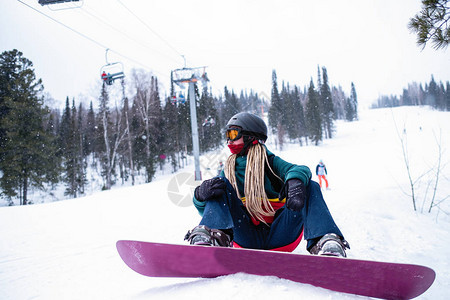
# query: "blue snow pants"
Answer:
x=228 y=212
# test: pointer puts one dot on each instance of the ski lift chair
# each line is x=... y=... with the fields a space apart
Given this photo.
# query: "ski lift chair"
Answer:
x=47 y=2
x=178 y=99
x=56 y=5
x=111 y=72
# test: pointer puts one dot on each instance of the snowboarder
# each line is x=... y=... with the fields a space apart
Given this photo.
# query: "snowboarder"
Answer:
x=261 y=201
x=321 y=172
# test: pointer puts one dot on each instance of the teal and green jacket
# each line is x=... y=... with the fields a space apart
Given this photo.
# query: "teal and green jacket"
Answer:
x=283 y=169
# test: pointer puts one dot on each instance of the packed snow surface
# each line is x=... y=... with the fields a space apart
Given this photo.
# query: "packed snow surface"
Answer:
x=66 y=249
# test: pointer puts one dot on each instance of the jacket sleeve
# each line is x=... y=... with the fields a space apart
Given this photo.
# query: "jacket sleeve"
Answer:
x=199 y=205
x=290 y=171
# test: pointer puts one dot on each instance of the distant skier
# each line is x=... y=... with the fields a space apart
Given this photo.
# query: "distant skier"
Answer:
x=220 y=168
x=321 y=172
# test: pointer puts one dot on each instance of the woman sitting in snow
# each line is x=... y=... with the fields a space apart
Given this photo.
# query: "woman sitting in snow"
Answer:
x=261 y=201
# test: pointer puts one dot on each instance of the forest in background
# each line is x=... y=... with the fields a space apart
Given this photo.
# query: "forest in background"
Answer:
x=130 y=130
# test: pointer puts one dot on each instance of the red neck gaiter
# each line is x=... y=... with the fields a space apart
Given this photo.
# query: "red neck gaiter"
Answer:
x=236 y=149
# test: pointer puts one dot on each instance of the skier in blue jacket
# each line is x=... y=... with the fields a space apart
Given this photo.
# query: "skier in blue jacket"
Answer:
x=261 y=201
x=321 y=172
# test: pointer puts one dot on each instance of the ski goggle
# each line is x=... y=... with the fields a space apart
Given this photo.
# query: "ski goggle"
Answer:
x=233 y=134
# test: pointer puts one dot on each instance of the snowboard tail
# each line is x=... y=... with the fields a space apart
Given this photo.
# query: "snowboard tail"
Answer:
x=362 y=277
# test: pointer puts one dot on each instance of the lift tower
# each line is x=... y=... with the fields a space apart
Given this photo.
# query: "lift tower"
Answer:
x=191 y=76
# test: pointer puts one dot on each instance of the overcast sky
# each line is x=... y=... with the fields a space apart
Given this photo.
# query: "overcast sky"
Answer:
x=240 y=42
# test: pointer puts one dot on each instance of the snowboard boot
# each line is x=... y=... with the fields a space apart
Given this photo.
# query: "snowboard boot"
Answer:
x=330 y=245
x=205 y=236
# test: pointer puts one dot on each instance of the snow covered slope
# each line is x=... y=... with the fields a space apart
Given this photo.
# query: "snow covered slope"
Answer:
x=66 y=249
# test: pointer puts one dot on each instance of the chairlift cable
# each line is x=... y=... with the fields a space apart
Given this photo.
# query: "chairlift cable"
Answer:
x=62 y=24
x=92 y=40
x=149 y=28
x=97 y=18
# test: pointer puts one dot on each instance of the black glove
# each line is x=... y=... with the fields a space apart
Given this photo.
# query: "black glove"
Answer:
x=295 y=192
x=209 y=189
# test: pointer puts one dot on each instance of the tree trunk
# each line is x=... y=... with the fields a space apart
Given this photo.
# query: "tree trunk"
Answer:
x=25 y=190
x=130 y=146
x=107 y=152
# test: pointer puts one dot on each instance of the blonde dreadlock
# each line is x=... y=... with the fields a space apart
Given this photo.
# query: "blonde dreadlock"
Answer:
x=256 y=201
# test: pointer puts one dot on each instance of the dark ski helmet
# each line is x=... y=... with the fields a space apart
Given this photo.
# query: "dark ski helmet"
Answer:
x=251 y=125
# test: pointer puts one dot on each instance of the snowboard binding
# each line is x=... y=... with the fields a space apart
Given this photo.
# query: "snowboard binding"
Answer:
x=205 y=236
x=330 y=245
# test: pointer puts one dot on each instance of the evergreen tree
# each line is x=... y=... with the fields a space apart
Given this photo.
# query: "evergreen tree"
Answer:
x=64 y=129
x=81 y=157
x=319 y=79
x=73 y=156
x=299 y=116
x=354 y=99
x=232 y=105
x=51 y=127
x=53 y=122
x=105 y=128
x=91 y=129
x=447 y=96
x=288 y=115
x=406 y=99
x=440 y=100
x=171 y=128
x=351 y=107
x=244 y=100
x=349 y=112
x=276 y=107
x=207 y=116
x=276 y=111
x=184 y=131
x=70 y=155
x=312 y=115
x=431 y=24
x=432 y=93
x=26 y=151
x=326 y=105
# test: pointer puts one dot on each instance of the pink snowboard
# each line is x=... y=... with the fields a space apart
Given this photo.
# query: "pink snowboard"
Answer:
x=366 y=278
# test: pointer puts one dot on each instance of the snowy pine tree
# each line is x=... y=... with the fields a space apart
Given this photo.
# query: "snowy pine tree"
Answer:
x=312 y=115
x=26 y=150
x=326 y=105
x=351 y=105
x=207 y=116
x=276 y=111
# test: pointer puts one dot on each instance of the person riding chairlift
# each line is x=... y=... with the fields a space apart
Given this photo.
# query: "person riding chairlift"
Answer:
x=107 y=78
